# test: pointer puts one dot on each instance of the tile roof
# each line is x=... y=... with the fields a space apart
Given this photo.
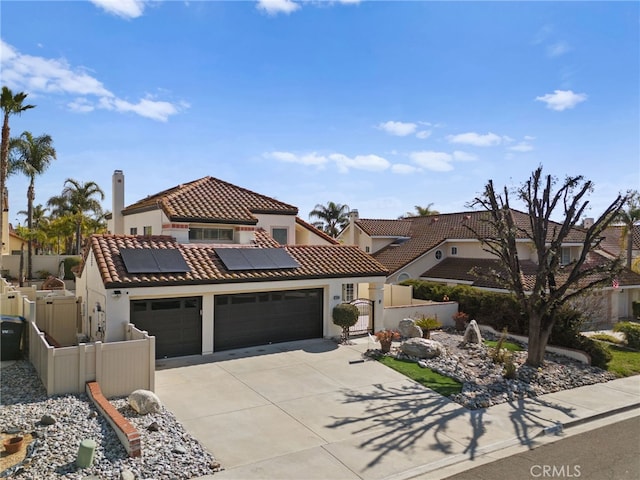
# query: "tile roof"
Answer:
x=430 y=231
x=487 y=273
x=385 y=228
x=316 y=261
x=613 y=242
x=210 y=200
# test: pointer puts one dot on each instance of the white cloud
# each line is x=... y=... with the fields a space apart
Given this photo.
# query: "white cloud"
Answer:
x=344 y=163
x=372 y=163
x=422 y=134
x=436 y=161
x=311 y=159
x=55 y=76
x=558 y=48
x=121 y=8
x=464 y=156
x=529 y=137
x=273 y=7
x=400 y=129
x=561 y=100
x=404 y=169
x=522 y=147
x=476 y=139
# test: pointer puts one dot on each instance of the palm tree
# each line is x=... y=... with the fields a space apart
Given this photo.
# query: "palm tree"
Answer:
x=80 y=200
x=11 y=105
x=333 y=217
x=31 y=156
x=421 y=212
x=629 y=218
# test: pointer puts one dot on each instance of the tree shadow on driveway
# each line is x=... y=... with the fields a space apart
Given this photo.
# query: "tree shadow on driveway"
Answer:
x=408 y=417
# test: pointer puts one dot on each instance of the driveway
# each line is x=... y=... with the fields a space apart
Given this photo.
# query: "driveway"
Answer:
x=315 y=409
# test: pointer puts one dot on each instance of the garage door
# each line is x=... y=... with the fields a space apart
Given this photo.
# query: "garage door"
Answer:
x=175 y=322
x=248 y=319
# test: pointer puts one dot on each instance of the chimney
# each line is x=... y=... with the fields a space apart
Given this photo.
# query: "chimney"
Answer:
x=117 y=190
x=353 y=216
x=587 y=222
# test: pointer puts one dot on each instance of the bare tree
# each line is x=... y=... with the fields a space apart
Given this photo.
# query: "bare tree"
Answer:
x=555 y=283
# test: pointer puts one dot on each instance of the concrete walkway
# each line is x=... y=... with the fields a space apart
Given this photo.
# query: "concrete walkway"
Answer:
x=315 y=410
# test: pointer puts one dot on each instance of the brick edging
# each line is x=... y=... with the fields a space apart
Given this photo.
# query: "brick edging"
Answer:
x=127 y=433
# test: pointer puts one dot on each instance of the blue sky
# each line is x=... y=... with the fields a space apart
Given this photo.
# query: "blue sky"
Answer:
x=378 y=105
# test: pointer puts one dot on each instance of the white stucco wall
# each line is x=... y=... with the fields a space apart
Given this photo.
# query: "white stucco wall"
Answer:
x=154 y=218
x=267 y=222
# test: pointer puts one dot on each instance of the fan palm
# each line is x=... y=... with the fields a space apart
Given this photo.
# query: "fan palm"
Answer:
x=629 y=218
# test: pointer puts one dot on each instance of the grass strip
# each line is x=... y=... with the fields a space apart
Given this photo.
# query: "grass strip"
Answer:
x=443 y=385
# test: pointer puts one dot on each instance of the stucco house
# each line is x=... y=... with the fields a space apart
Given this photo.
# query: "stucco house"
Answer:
x=443 y=248
x=208 y=266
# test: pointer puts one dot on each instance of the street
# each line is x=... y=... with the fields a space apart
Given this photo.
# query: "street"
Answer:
x=611 y=452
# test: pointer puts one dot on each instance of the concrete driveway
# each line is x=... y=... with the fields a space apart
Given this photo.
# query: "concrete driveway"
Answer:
x=314 y=409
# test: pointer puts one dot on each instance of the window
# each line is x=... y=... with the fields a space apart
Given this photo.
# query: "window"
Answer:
x=133 y=230
x=280 y=235
x=438 y=254
x=199 y=234
x=454 y=250
x=347 y=292
x=146 y=230
x=367 y=249
x=565 y=258
x=403 y=276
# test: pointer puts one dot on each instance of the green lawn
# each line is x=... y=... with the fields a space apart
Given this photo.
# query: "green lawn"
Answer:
x=624 y=363
x=443 y=385
x=512 y=347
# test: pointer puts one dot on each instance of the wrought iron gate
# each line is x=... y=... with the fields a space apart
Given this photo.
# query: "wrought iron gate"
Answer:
x=365 y=317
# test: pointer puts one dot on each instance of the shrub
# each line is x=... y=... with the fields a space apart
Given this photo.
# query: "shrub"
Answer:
x=460 y=319
x=345 y=315
x=427 y=324
x=69 y=263
x=509 y=368
x=631 y=333
x=635 y=307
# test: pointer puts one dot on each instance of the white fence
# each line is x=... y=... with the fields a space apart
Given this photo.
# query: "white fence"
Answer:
x=119 y=367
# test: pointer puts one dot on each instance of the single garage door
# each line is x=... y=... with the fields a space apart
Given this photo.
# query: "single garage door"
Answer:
x=175 y=322
x=249 y=319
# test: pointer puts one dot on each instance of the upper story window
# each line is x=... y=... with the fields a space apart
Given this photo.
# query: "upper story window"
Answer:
x=133 y=230
x=367 y=249
x=565 y=258
x=347 y=292
x=280 y=235
x=438 y=254
x=146 y=230
x=454 y=250
x=201 y=234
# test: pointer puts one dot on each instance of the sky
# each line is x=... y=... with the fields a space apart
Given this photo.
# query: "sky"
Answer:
x=381 y=106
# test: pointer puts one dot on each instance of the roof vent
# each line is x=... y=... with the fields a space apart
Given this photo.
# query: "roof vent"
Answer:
x=466 y=217
x=434 y=219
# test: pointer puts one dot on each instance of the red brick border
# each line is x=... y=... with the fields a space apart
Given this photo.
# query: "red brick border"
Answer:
x=127 y=433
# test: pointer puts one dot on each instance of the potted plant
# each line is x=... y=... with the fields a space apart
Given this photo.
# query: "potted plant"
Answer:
x=385 y=337
x=461 y=319
x=427 y=324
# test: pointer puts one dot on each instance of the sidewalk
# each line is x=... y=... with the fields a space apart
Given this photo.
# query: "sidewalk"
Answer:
x=316 y=411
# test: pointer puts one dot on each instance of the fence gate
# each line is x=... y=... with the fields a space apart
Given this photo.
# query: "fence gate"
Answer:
x=365 y=317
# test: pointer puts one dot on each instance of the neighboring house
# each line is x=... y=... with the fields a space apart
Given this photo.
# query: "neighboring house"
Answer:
x=444 y=248
x=218 y=267
x=615 y=241
x=16 y=242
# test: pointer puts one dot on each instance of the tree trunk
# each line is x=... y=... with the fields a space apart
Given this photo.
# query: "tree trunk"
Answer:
x=30 y=198
x=4 y=165
x=630 y=246
x=538 y=338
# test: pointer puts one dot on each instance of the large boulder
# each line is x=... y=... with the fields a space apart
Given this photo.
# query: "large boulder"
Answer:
x=408 y=328
x=472 y=333
x=144 y=401
x=422 y=348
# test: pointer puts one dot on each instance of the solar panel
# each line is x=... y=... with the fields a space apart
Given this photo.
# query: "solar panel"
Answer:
x=256 y=258
x=138 y=260
x=147 y=260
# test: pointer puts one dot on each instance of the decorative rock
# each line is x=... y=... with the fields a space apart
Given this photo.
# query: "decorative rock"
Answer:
x=153 y=427
x=48 y=419
x=472 y=333
x=145 y=401
x=179 y=449
x=406 y=327
x=422 y=348
x=127 y=475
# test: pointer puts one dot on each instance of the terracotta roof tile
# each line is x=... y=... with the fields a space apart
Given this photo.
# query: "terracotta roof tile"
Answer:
x=210 y=200
x=430 y=231
x=385 y=228
x=316 y=261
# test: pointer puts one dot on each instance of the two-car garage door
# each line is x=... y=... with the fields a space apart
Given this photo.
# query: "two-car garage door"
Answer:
x=240 y=320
